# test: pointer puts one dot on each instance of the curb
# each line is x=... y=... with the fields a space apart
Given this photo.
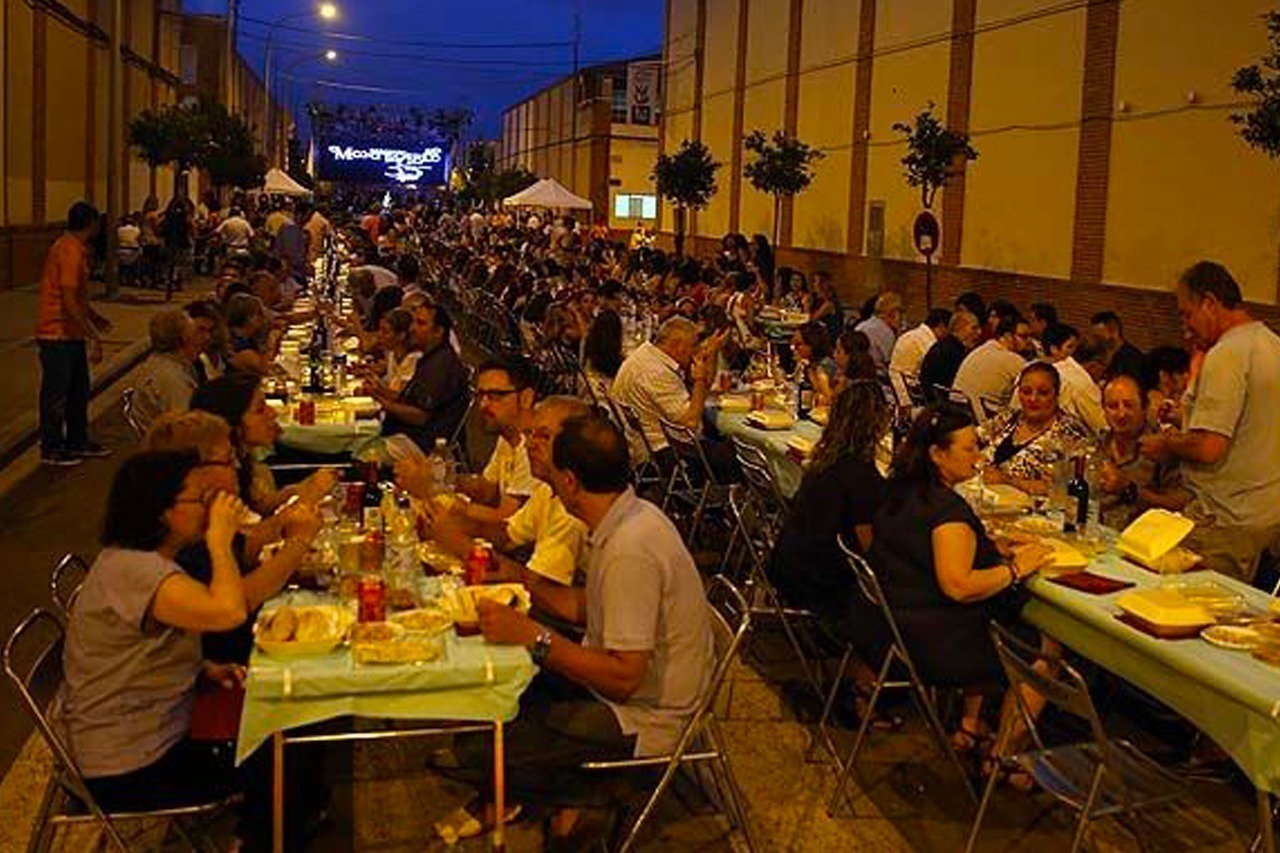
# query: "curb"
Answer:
x=111 y=371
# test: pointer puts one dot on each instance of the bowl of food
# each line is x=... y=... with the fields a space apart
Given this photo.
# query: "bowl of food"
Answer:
x=288 y=631
x=424 y=620
x=462 y=605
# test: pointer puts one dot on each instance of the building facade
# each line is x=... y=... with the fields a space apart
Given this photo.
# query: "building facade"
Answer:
x=597 y=135
x=1107 y=160
x=54 y=102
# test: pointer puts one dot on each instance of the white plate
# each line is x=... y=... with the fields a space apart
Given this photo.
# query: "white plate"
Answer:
x=1235 y=637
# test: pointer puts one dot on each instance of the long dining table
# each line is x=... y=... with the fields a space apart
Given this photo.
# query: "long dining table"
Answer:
x=1231 y=697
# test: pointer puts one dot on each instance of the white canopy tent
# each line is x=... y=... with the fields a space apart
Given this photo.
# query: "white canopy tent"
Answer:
x=279 y=183
x=547 y=192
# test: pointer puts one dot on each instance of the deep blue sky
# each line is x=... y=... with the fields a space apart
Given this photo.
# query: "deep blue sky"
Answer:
x=487 y=80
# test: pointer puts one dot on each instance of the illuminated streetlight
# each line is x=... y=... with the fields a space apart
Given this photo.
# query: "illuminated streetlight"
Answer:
x=331 y=55
x=328 y=11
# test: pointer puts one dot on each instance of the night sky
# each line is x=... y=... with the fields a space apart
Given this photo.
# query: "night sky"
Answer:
x=440 y=53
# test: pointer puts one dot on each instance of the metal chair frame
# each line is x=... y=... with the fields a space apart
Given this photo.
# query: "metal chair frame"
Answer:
x=67 y=780
x=990 y=407
x=129 y=405
x=65 y=582
x=701 y=741
x=897 y=653
x=915 y=391
x=1106 y=768
x=649 y=472
x=690 y=462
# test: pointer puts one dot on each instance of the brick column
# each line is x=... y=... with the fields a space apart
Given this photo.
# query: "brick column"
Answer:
x=1093 y=165
x=791 y=110
x=739 y=96
x=699 y=62
x=91 y=116
x=854 y=241
x=959 y=88
x=40 y=124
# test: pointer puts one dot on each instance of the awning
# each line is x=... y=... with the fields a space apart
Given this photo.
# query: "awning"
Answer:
x=547 y=192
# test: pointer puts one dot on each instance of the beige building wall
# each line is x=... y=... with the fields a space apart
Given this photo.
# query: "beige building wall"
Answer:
x=1129 y=198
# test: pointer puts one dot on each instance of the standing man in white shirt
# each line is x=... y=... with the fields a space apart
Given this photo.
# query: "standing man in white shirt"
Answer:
x=504 y=396
x=1229 y=446
x=235 y=232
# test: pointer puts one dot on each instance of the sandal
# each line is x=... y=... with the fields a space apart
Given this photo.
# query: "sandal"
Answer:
x=1019 y=780
x=965 y=740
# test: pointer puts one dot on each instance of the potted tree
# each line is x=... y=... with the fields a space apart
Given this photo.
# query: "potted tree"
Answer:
x=687 y=179
x=1260 y=126
x=934 y=154
x=783 y=167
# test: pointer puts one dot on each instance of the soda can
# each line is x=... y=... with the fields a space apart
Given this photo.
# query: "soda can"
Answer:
x=479 y=562
x=307 y=412
x=371 y=597
x=354 y=502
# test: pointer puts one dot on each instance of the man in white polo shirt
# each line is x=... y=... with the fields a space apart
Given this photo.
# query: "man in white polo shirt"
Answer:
x=1229 y=446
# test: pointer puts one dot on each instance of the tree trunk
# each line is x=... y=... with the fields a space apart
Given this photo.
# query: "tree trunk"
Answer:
x=777 y=219
x=680 y=214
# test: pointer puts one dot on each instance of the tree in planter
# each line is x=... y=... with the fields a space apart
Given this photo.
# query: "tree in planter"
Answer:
x=687 y=179
x=934 y=154
x=1260 y=126
x=782 y=168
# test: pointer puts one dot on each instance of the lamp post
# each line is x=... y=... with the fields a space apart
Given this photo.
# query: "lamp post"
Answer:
x=327 y=12
x=330 y=56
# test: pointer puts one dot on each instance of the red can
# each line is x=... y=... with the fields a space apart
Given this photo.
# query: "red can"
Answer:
x=371 y=595
x=479 y=563
x=307 y=412
x=354 y=503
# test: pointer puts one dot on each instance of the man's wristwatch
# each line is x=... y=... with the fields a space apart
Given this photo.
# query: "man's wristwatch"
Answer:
x=541 y=647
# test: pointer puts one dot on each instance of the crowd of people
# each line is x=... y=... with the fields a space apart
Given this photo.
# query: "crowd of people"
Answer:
x=620 y=625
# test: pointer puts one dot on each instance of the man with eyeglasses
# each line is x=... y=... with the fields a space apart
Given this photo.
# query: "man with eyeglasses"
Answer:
x=504 y=396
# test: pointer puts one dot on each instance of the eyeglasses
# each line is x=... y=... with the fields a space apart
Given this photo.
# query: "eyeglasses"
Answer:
x=494 y=393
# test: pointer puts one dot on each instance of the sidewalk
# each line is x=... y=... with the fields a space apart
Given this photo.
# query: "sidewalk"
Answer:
x=125 y=346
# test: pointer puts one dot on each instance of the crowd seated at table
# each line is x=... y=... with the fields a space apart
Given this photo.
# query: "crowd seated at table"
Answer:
x=593 y=333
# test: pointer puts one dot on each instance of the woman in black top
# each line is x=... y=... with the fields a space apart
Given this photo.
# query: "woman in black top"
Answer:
x=943 y=577
x=839 y=495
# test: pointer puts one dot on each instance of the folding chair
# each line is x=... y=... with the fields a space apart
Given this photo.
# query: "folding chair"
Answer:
x=915 y=391
x=701 y=488
x=1097 y=778
x=33 y=663
x=65 y=582
x=956 y=398
x=648 y=473
x=896 y=654
x=990 y=407
x=701 y=741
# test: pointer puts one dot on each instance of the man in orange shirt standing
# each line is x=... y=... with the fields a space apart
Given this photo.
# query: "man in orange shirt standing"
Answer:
x=68 y=332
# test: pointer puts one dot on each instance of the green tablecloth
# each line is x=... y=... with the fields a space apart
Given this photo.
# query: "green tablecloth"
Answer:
x=774 y=443
x=1228 y=695
x=474 y=680
x=328 y=438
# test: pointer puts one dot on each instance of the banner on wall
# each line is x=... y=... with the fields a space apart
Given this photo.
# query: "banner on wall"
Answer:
x=643 y=80
x=374 y=161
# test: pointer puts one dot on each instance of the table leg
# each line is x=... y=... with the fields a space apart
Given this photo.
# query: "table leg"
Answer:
x=500 y=788
x=277 y=792
x=1266 y=822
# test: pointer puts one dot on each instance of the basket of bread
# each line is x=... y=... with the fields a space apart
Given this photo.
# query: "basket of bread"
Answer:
x=289 y=631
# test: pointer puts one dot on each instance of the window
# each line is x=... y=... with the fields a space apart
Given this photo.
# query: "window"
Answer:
x=632 y=206
x=618 y=108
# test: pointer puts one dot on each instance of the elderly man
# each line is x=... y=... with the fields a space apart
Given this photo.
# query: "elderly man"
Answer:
x=650 y=380
x=169 y=376
x=1229 y=447
x=912 y=346
x=646 y=659
x=939 y=365
x=881 y=328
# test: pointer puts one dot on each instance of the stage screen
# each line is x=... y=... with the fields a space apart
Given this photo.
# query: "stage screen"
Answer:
x=383 y=161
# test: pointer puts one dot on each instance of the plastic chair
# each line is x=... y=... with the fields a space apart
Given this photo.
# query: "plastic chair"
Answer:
x=898 y=654
x=65 y=582
x=1097 y=778
x=701 y=741
x=33 y=663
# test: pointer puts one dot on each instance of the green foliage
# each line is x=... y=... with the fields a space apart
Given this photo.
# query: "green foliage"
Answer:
x=1260 y=126
x=934 y=153
x=199 y=135
x=450 y=123
x=688 y=177
x=782 y=166
x=483 y=184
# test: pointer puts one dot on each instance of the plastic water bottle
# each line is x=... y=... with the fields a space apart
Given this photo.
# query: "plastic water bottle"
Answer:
x=446 y=467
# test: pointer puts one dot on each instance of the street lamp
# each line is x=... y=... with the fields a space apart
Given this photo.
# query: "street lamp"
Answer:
x=327 y=12
x=331 y=55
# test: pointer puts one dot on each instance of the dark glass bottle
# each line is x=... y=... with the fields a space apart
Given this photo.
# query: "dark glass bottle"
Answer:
x=1078 y=493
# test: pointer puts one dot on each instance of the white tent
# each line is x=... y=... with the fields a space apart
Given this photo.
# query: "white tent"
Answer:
x=547 y=192
x=279 y=183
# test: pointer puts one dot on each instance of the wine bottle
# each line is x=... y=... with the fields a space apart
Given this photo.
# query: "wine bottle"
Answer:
x=1078 y=497
x=371 y=512
x=804 y=392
